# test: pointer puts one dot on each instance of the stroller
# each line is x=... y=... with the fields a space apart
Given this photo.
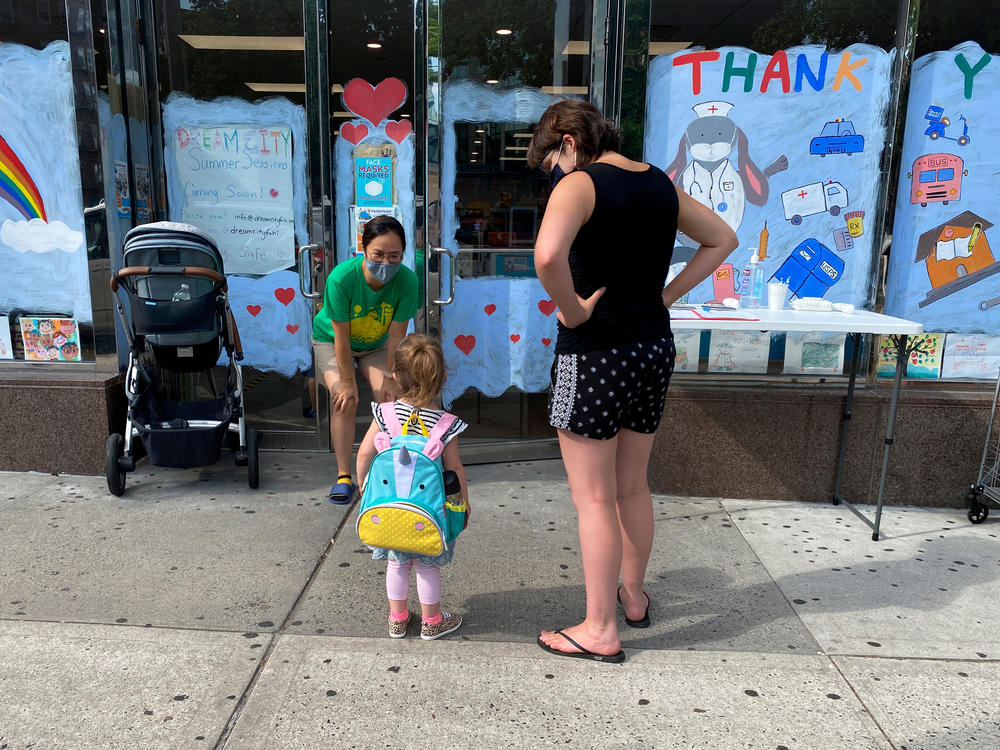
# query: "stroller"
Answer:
x=175 y=285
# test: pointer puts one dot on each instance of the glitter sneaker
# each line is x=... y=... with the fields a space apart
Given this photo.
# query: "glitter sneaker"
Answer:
x=449 y=624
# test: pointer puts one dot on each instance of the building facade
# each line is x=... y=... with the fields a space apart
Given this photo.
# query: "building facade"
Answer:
x=849 y=145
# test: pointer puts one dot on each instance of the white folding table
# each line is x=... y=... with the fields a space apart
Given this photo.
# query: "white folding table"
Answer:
x=856 y=324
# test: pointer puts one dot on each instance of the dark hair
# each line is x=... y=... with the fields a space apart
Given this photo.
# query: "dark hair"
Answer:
x=419 y=369
x=593 y=134
x=382 y=225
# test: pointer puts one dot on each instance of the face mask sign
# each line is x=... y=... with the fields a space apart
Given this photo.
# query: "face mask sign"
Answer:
x=710 y=152
x=382 y=272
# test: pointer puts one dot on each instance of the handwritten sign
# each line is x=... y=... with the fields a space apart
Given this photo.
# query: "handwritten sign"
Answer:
x=236 y=185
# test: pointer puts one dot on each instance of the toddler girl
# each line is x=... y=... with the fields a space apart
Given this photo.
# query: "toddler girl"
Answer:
x=419 y=372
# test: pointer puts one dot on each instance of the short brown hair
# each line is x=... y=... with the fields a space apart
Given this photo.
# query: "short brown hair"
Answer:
x=419 y=369
x=593 y=133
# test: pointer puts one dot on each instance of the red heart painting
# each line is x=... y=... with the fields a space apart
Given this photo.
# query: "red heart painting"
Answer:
x=546 y=342
x=292 y=328
x=353 y=133
x=374 y=103
x=515 y=337
x=285 y=296
x=490 y=309
x=547 y=306
x=274 y=193
x=254 y=310
x=465 y=343
x=398 y=130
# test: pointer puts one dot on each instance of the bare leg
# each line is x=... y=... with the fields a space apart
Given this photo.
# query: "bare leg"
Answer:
x=342 y=429
x=635 y=515
x=374 y=372
x=590 y=465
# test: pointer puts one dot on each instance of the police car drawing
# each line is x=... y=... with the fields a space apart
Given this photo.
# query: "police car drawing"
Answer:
x=710 y=177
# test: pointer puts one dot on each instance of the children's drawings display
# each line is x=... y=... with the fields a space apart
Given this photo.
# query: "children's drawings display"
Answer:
x=923 y=361
x=50 y=339
x=738 y=351
x=785 y=149
x=498 y=333
x=814 y=353
x=42 y=250
x=688 y=346
x=274 y=320
x=943 y=270
x=6 y=345
x=971 y=356
x=236 y=170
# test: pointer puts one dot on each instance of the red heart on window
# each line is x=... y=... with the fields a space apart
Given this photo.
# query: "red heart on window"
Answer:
x=465 y=343
x=398 y=130
x=374 y=103
x=292 y=328
x=515 y=337
x=490 y=309
x=547 y=306
x=353 y=133
x=546 y=342
x=274 y=193
x=254 y=310
x=285 y=296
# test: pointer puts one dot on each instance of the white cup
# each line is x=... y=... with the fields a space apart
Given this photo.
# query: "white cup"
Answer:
x=777 y=293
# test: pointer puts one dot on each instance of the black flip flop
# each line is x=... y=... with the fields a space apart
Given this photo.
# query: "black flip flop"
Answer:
x=643 y=622
x=582 y=653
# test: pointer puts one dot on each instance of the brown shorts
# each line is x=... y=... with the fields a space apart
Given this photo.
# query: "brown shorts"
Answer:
x=325 y=357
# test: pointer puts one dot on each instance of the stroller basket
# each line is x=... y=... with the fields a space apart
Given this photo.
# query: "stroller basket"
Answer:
x=179 y=434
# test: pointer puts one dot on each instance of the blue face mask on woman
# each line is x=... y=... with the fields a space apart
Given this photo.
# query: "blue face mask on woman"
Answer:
x=557 y=172
x=382 y=272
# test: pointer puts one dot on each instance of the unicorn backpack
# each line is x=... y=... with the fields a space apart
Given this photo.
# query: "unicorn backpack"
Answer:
x=404 y=506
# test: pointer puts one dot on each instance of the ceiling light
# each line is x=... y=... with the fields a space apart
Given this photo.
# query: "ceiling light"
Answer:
x=522 y=135
x=516 y=148
x=665 y=48
x=492 y=80
x=577 y=48
x=101 y=30
x=275 y=88
x=477 y=141
x=504 y=32
x=373 y=45
x=404 y=115
x=257 y=43
x=563 y=89
x=512 y=158
x=480 y=130
x=472 y=161
x=475 y=153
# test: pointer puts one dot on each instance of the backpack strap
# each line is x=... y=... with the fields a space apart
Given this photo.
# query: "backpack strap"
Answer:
x=388 y=412
x=435 y=445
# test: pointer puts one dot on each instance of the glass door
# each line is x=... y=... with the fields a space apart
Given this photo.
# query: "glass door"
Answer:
x=493 y=68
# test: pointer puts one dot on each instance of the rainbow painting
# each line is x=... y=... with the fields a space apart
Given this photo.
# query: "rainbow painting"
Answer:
x=17 y=187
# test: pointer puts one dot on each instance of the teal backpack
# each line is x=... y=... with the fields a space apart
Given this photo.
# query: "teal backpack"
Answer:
x=404 y=506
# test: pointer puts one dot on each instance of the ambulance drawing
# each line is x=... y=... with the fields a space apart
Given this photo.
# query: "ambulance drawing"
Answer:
x=813 y=198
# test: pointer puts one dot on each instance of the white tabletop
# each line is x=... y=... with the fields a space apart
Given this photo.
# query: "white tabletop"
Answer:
x=859 y=321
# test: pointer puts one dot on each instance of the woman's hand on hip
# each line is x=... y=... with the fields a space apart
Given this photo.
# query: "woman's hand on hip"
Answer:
x=584 y=309
x=344 y=395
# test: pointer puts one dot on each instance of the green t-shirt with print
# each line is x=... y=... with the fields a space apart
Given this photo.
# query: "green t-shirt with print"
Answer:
x=349 y=298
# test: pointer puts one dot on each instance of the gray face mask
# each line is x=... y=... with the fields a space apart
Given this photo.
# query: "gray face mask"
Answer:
x=383 y=272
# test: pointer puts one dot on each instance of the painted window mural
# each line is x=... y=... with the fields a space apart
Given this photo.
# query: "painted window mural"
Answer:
x=786 y=149
x=42 y=245
x=944 y=269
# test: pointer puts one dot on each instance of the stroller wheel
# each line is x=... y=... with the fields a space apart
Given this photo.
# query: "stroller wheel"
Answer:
x=116 y=477
x=977 y=512
x=253 y=467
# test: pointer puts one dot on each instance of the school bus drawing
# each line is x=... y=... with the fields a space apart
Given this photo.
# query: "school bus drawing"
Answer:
x=936 y=178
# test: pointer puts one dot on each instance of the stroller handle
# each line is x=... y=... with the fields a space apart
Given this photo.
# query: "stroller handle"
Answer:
x=208 y=273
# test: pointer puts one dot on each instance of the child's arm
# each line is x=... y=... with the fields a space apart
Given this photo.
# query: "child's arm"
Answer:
x=451 y=460
x=366 y=453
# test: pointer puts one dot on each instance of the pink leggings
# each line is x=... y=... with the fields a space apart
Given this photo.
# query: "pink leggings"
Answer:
x=397 y=581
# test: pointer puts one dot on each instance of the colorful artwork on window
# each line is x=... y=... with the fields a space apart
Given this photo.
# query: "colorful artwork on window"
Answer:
x=785 y=149
x=944 y=266
x=42 y=248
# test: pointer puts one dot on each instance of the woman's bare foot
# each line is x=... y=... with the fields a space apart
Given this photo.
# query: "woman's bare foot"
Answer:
x=607 y=645
x=636 y=607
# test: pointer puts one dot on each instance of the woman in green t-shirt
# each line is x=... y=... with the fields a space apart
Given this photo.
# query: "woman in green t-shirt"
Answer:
x=367 y=304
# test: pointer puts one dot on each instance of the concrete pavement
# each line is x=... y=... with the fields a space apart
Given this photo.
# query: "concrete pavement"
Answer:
x=193 y=612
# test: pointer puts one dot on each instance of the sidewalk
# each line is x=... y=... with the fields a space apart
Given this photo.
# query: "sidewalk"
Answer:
x=193 y=612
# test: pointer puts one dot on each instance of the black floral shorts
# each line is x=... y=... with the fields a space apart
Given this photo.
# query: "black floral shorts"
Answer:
x=598 y=393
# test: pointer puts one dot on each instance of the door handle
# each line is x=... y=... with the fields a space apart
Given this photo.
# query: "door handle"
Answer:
x=304 y=265
x=451 y=276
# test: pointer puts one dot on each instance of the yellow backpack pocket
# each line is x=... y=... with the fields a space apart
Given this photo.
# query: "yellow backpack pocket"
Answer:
x=401 y=526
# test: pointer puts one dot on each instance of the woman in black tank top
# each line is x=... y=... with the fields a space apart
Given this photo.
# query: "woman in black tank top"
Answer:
x=602 y=255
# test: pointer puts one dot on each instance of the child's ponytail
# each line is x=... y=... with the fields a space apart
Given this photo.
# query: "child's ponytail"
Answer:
x=419 y=369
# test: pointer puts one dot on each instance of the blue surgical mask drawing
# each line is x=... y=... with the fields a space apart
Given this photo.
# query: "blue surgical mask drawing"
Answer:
x=383 y=272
